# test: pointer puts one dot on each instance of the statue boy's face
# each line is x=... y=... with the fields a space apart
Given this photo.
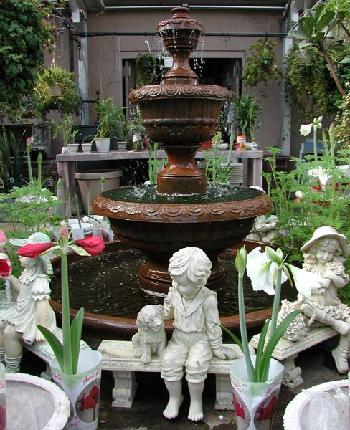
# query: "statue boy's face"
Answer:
x=185 y=287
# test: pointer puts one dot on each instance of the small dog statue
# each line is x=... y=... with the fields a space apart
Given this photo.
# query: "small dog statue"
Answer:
x=150 y=337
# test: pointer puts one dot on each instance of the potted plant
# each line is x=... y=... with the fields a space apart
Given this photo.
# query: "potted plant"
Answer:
x=111 y=123
x=77 y=372
x=65 y=130
x=256 y=379
x=247 y=111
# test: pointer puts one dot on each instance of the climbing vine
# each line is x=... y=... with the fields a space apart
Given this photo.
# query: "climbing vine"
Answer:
x=310 y=83
x=25 y=32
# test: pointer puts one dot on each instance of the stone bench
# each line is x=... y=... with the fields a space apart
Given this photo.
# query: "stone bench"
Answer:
x=118 y=357
x=44 y=351
x=287 y=351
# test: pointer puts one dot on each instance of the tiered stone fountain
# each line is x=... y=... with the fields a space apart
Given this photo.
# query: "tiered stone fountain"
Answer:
x=183 y=210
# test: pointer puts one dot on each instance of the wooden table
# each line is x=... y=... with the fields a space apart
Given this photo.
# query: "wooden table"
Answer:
x=66 y=163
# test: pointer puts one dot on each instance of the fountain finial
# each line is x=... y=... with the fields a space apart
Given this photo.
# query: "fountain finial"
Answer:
x=180 y=34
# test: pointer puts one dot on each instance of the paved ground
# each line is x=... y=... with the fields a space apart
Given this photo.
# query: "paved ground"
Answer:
x=151 y=398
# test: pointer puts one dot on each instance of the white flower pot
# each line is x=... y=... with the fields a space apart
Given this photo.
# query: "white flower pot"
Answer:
x=83 y=390
x=34 y=403
x=321 y=406
x=255 y=402
x=73 y=147
x=86 y=147
x=102 y=144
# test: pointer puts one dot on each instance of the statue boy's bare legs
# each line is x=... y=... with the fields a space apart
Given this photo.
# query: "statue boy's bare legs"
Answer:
x=175 y=398
x=196 y=409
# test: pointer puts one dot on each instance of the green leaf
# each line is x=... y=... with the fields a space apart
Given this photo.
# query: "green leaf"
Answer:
x=271 y=345
x=232 y=336
x=78 y=250
x=76 y=329
x=260 y=349
x=55 y=344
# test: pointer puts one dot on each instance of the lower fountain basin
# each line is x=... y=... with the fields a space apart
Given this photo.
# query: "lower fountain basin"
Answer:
x=112 y=279
x=161 y=225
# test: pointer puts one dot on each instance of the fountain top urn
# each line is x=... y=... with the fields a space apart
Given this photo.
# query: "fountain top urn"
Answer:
x=179 y=113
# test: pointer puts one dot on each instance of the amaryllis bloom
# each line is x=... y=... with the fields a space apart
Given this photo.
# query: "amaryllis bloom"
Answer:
x=304 y=281
x=262 y=271
x=305 y=129
x=321 y=174
x=94 y=245
x=5 y=266
x=3 y=239
x=33 y=250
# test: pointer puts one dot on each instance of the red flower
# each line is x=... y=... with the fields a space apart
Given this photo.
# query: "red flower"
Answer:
x=5 y=267
x=94 y=245
x=33 y=250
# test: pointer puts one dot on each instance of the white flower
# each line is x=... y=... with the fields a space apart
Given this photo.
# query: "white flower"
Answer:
x=262 y=271
x=321 y=174
x=317 y=122
x=305 y=129
x=304 y=281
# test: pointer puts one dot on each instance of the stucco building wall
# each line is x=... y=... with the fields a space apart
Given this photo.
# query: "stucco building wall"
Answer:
x=106 y=54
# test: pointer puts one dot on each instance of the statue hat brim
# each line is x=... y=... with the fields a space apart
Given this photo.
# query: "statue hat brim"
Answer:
x=324 y=232
x=37 y=237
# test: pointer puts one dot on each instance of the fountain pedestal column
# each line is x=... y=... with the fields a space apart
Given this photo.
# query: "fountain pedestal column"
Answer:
x=181 y=174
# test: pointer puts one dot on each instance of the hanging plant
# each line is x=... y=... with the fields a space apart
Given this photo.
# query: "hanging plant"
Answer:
x=261 y=64
x=55 y=89
x=146 y=69
x=310 y=83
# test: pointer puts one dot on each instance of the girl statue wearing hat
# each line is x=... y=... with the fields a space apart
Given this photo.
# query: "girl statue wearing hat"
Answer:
x=19 y=322
x=324 y=255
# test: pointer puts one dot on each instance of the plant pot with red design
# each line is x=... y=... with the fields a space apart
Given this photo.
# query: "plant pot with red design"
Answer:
x=82 y=389
x=255 y=402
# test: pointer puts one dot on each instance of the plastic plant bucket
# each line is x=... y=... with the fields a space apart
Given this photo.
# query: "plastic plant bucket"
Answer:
x=90 y=183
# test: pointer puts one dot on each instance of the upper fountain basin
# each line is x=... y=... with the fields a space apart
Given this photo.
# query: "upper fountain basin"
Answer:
x=180 y=114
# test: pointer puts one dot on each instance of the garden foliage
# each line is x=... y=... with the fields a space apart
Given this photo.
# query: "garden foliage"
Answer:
x=25 y=32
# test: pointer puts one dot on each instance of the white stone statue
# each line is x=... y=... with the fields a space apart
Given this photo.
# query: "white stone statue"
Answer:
x=150 y=337
x=19 y=322
x=324 y=255
x=264 y=229
x=197 y=335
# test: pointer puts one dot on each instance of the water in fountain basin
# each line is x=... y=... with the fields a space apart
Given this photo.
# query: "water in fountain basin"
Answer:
x=215 y=193
x=108 y=284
